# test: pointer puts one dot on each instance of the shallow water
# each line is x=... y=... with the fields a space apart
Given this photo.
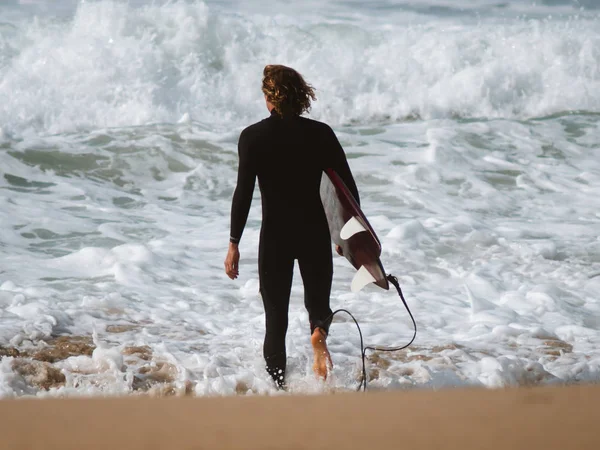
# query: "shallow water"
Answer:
x=472 y=128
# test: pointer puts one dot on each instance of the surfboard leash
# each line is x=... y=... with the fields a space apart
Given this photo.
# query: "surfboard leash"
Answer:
x=363 y=350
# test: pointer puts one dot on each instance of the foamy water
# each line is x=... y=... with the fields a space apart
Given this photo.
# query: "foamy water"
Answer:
x=473 y=130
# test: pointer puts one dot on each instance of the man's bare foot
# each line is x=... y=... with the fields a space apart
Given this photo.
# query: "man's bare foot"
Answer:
x=322 y=357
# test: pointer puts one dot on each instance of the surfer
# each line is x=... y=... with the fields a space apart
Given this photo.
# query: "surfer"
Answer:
x=288 y=153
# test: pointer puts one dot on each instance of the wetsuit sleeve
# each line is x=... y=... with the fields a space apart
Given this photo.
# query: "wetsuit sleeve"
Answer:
x=339 y=163
x=242 y=196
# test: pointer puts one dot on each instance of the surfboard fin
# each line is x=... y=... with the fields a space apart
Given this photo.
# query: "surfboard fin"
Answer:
x=350 y=228
x=361 y=279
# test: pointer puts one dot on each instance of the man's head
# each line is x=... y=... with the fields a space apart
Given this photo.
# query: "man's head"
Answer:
x=286 y=90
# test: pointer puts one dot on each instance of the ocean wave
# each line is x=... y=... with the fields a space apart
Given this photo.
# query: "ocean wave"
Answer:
x=116 y=65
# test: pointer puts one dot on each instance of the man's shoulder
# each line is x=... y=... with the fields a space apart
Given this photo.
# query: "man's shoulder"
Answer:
x=251 y=134
x=316 y=125
x=261 y=127
x=254 y=128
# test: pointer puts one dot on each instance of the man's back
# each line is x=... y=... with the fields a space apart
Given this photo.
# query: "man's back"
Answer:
x=288 y=155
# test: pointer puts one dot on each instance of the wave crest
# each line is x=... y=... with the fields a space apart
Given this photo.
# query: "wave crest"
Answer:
x=114 y=65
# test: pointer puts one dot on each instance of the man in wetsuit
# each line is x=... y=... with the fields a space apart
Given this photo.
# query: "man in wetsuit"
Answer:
x=288 y=153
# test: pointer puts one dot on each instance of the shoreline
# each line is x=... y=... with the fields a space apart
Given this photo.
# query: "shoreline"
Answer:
x=475 y=418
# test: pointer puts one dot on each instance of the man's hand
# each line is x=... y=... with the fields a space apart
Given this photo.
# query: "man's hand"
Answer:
x=232 y=260
x=339 y=250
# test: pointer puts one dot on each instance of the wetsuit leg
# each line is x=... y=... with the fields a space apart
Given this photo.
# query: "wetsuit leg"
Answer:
x=316 y=268
x=276 y=269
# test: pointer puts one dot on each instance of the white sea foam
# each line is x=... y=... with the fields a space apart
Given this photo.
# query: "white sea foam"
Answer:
x=116 y=64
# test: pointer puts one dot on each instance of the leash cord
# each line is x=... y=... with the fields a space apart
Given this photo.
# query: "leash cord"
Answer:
x=363 y=350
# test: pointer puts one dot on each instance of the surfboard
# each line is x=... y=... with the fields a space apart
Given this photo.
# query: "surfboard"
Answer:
x=351 y=230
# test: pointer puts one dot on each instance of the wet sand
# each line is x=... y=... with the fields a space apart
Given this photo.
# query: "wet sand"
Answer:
x=524 y=418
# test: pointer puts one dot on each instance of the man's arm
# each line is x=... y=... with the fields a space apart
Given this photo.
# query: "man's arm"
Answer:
x=242 y=197
x=339 y=163
x=240 y=205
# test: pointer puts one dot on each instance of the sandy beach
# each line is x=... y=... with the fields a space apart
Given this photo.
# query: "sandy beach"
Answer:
x=539 y=418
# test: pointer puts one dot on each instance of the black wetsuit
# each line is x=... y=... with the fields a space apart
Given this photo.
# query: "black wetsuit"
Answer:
x=288 y=155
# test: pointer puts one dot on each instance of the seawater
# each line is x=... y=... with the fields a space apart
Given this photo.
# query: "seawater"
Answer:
x=473 y=130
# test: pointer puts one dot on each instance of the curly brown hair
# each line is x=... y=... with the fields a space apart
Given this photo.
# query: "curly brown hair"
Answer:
x=286 y=90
